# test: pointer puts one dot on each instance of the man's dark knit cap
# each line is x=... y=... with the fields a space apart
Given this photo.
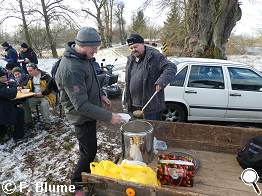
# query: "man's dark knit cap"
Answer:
x=24 y=45
x=135 y=39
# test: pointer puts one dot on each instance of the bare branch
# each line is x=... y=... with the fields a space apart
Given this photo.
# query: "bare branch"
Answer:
x=7 y=17
x=33 y=21
x=55 y=2
x=37 y=11
x=51 y=8
x=89 y=13
x=63 y=8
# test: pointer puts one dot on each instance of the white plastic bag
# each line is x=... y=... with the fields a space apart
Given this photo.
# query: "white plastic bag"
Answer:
x=159 y=144
x=130 y=162
x=125 y=117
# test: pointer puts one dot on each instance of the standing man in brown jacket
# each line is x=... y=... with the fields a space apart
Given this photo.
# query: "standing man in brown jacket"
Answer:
x=147 y=71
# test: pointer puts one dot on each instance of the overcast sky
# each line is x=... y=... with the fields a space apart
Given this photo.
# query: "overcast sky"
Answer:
x=250 y=23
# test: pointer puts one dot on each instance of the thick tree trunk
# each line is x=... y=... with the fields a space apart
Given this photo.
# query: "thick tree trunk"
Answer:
x=107 y=33
x=122 y=27
x=210 y=23
x=25 y=27
x=122 y=32
x=108 y=12
x=120 y=21
x=48 y=31
x=101 y=30
x=110 y=36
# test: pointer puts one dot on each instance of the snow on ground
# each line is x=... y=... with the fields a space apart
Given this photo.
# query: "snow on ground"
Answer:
x=46 y=156
x=50 y=153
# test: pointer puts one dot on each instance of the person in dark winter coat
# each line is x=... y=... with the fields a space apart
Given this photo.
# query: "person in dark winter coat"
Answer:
x=81 y=95
x=54 y=68
x=9 y=113
x=10 y=77
x=147 y=71
x=28 y=55
x=11 y=56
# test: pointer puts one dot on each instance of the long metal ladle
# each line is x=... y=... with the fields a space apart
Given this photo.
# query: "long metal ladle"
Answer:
x=139 y=113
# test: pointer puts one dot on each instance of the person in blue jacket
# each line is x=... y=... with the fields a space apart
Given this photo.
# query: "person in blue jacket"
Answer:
x=11 y=56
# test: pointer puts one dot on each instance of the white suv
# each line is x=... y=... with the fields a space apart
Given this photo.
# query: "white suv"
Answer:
x=211 y=89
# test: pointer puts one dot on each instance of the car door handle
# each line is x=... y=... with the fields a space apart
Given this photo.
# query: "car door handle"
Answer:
x=235 y=94
x=191 y=92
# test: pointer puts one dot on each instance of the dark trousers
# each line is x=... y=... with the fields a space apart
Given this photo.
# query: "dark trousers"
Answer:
x=86 y=135
x=19 y=126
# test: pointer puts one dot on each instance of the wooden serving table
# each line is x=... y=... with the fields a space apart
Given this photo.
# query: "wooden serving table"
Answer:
x=214 y=146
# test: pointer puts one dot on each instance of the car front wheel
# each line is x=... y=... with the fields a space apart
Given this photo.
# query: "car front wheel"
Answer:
x=174 y=113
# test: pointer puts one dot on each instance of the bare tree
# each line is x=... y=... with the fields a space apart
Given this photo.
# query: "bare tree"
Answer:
x=120 y=21
x=55 y=10
x=97 y=15
x=39 y=39
x=62 y=34
x=108 y=11
x=47 y=26
x=10 y=10
x=25 y=26
x=52 y=11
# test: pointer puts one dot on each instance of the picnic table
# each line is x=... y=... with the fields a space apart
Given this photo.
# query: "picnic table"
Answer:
x=21 y=95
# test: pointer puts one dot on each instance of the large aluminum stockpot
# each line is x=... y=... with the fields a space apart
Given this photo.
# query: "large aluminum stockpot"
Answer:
x=137 y=141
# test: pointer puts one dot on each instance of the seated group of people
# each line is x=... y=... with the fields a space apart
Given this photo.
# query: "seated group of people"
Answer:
x=13 y=59
x=13 y=78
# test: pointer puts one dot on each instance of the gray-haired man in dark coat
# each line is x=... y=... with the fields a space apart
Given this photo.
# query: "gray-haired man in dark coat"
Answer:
x=81 y=95
x=147 y=71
